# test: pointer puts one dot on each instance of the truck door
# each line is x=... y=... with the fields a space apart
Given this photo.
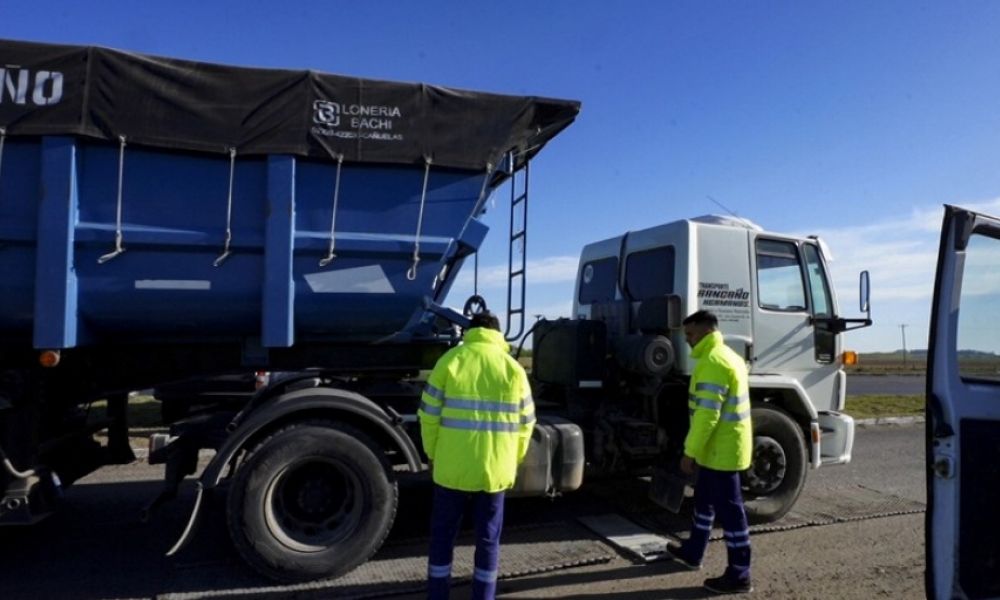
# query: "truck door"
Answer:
x=791 y=288
x=963 y=411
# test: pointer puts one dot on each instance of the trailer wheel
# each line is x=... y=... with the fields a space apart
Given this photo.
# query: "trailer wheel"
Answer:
x=312 y=501
x=777 y=471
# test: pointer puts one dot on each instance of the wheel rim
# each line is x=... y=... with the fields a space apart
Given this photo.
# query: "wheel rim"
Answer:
x=768 y=467
x=313 y=504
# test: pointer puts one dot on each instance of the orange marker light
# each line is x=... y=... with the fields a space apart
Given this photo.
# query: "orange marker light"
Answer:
x=850 y=358
x=49 y=358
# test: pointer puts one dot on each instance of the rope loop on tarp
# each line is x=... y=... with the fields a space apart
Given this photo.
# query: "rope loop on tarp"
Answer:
x=119 y=246
x=482 y=194
x=330 y=255
x=229 y=210
x=411 y=273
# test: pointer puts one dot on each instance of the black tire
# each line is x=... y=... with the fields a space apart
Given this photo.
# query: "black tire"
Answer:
x=777 y=472
x=312 y=501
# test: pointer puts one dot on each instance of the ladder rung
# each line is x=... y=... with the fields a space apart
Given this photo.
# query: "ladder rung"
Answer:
x=517 y=276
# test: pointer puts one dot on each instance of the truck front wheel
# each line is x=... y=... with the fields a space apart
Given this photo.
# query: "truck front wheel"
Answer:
x=777 y=471
x=312 y=501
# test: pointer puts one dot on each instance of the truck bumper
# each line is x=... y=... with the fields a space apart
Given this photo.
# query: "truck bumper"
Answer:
x=837 y=437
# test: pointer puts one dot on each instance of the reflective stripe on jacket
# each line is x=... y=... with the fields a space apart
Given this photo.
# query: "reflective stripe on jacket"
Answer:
x=721 y=435
x=476 y=415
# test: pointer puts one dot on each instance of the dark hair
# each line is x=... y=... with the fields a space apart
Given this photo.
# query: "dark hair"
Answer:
x=702 y=317
x=485 y=319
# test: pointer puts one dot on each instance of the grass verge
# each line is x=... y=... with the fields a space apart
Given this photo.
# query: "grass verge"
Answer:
x=884 y=405
x=143 y=411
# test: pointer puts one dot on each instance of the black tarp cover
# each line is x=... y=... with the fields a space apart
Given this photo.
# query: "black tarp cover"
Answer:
x=48 y=89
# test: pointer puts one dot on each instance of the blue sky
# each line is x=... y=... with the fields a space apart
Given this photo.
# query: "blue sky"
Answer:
x=854 y=120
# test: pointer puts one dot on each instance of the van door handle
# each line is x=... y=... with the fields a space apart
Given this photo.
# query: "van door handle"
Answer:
x=944 y=466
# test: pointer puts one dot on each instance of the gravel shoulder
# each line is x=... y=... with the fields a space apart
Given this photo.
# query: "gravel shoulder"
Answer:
x=879 y=558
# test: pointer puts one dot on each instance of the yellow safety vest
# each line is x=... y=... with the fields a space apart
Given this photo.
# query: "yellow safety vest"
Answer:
x=476 y=415
x=721 y=435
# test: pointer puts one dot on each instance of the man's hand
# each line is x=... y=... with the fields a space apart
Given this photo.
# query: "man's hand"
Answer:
x=687 y=465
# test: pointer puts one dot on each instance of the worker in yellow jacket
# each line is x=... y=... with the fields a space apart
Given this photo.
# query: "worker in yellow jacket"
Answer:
x=476 y=417
x=720 y=443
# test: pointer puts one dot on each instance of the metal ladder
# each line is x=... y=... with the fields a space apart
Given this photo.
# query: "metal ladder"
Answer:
x=518 y=207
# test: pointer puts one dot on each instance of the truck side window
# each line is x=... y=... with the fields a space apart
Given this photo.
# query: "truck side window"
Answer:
x=978 y=335
x=779 y=276
x=817 y=282
x=819 y=289
x=650 y=273
x=598 y=280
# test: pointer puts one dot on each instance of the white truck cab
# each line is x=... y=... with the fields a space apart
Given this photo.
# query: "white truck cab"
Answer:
x=776 y=307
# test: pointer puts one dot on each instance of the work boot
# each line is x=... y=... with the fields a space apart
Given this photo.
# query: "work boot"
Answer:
x=676 y=553
x=728 y=585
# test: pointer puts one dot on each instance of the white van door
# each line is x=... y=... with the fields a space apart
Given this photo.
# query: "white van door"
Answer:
x=963 y=411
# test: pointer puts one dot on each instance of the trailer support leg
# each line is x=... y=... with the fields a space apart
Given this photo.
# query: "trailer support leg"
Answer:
x=119 y=450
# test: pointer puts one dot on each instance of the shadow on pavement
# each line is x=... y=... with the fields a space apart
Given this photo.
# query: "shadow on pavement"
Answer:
x=95 y=546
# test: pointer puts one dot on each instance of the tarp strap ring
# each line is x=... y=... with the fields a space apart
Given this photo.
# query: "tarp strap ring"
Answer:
x=3 y=136
x=119 y=248
x=411 y=274
x=229 y=210
x=330 y=255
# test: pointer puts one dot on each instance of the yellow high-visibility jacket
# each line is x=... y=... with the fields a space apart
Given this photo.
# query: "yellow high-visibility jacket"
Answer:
x=476 y=415
x=721 y=435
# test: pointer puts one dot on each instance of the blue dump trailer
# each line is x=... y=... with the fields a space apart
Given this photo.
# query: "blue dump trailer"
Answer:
x=165 y=220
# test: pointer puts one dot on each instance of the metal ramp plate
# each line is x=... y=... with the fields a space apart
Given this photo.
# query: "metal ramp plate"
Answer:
x=818 y=505
x=637 y=542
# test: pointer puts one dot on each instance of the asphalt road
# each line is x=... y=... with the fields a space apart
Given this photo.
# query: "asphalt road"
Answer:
x=97 y=548
x=885 y=384
x=852 y=560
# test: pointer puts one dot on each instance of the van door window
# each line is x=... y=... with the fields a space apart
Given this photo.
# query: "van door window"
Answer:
x=779 y=277
x=978 y=328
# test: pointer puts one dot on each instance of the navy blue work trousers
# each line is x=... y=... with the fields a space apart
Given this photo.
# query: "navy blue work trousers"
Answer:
x=717 y=493
x=446 y=518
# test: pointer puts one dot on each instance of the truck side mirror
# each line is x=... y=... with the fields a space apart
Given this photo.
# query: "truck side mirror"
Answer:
x=840 y=324
x=864 y=292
